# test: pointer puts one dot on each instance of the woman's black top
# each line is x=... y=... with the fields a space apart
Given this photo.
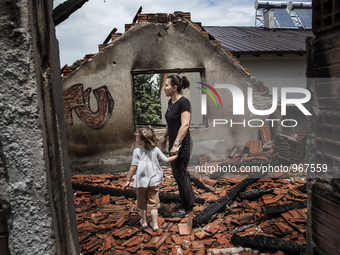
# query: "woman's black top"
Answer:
x=173 y=119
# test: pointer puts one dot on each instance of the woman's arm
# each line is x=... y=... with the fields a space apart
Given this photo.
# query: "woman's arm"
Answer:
x=183 y=130
x=164 y=138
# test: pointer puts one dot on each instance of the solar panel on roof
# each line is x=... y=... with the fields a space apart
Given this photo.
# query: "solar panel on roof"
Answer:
x=305 y=16
x=283 y=19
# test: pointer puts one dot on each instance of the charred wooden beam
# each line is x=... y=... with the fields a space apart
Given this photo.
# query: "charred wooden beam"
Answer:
x=164 y=212
x=128 y=193
x=199 y=184
x=283 y=208
x=168 y=197
x=243 y=228
x=136 y=16
x=64 y=10
x=110 y=36
x=205 y=215
x=303 y=188
x=269 y=242
x=255 y=193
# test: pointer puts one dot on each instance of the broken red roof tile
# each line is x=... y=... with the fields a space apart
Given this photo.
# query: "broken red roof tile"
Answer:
x=197 y=246
x=246 y=218
x=202 y=234
x=209 y=181
x=284 y=228
x=184 y=229
x=265 y=134
x=119 y=223
x=177 y=239
x=204 y=159
x=128 y=233
x=177 y=250
x=161 y=241
x=255 y=146
x=120 y=216
x=212 y=227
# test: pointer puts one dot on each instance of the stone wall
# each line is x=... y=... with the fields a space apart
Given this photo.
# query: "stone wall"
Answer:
x=35 y=185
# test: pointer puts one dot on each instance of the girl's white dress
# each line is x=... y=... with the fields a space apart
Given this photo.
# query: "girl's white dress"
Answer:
x=149 y=173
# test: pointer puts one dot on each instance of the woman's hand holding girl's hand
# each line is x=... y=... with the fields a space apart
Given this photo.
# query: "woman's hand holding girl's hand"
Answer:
x=126 y=185
x=173 y=150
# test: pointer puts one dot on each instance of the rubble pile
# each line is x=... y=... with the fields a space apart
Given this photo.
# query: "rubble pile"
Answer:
x=110 y=224
x=286 y=149
x=232 y=215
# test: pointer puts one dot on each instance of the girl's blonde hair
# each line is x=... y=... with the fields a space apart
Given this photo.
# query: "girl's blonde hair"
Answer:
x=148 y=136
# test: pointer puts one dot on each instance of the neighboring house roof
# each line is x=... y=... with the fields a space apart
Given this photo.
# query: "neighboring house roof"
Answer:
x=257 y=41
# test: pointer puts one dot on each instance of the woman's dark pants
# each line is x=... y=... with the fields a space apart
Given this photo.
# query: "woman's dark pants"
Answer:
x=179 y=170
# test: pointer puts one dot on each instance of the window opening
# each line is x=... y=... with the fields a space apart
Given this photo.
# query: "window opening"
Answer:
x=150 y=102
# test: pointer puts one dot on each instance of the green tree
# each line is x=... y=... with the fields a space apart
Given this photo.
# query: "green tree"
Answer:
x=147 y=99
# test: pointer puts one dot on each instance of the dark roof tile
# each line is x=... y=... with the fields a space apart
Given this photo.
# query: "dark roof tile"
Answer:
x=253 y=41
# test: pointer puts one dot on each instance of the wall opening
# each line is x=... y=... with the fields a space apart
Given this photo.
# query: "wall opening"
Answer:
x=147 y=99
x=150 y=102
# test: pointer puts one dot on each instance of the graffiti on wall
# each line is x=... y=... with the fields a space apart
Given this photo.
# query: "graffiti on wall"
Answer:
x=78 y=100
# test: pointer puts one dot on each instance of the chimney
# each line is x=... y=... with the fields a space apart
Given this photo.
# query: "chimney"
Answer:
x=269 y=19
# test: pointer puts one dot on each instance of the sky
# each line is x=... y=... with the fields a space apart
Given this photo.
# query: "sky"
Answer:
x=89 y=26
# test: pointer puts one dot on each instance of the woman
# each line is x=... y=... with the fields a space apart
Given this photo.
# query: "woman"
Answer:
x=178 y=120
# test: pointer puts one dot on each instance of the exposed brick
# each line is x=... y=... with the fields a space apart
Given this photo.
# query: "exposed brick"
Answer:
x=142 y=17
x=101 y=46
x=115 y=36
x=206 y=34
x=128 y=26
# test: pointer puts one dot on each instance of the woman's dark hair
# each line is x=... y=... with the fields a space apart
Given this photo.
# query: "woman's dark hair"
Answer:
x=181 y=83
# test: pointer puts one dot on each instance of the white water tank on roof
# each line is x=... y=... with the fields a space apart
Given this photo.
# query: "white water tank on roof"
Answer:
x=270 y=4
x=296 y=5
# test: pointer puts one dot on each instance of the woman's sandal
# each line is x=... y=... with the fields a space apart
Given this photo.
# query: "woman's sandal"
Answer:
x=143 y=225
x=153 y=228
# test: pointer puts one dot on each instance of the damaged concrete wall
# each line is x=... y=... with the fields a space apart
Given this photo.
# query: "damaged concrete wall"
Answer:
x=175 y=47
x=323 y=130
x=35 y=185
x=287 y=70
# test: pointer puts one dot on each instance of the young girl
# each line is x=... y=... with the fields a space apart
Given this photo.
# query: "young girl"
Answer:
x=149 y=174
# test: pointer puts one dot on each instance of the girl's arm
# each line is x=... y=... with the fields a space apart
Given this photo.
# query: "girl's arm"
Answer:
x=172 y=158
x=129 y=177
x=163 y=158
x=183 y=130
